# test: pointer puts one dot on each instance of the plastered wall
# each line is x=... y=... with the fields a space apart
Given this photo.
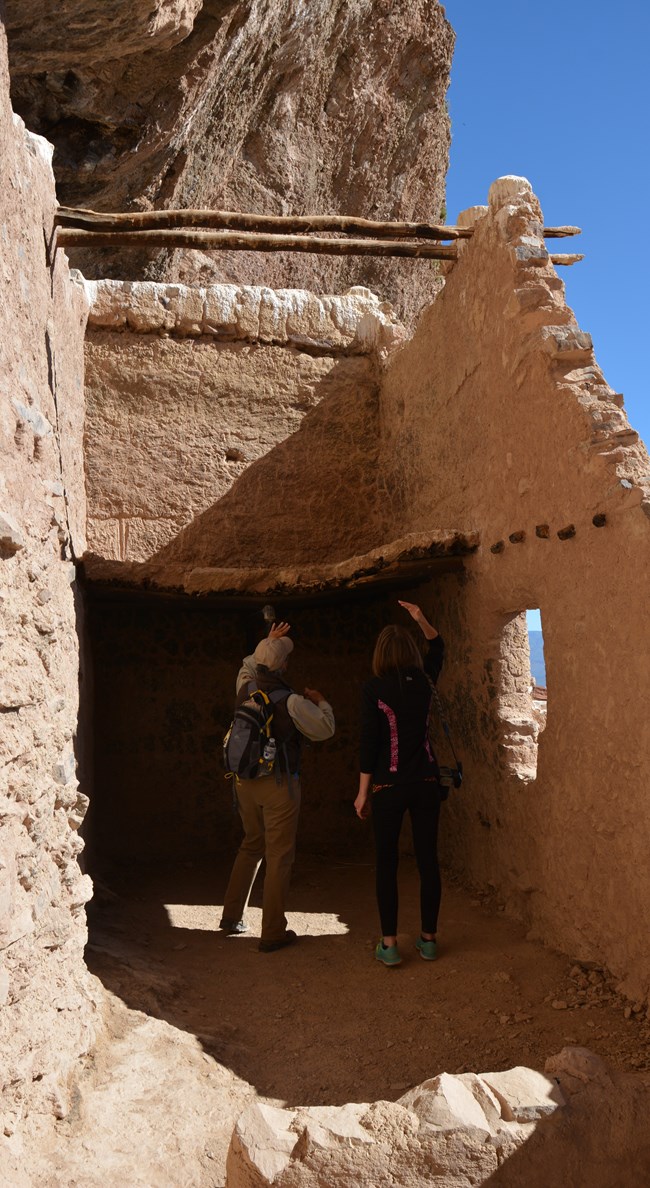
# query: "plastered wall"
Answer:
x=220 y=419
x=496 y=417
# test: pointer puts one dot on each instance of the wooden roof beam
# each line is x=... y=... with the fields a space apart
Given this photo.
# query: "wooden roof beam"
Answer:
x=92 y=220
x=248 y=242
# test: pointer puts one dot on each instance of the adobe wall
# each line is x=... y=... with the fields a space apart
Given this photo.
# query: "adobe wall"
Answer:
x=45 y=1010
x=496 y=417
x=226 y=427
x=203 y=404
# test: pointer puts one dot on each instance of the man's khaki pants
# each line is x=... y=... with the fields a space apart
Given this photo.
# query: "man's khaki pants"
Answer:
x=269 y=813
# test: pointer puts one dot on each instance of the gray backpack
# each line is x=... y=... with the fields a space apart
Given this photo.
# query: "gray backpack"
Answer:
x=249 y=748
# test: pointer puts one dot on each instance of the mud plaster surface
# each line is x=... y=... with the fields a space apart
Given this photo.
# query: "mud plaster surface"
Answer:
x=322 y=1022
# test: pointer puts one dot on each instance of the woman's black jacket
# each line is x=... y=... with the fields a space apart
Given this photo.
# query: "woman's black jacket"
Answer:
x=395 y=713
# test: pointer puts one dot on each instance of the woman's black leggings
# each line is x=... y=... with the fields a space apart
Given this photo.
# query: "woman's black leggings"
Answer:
x=422 y=800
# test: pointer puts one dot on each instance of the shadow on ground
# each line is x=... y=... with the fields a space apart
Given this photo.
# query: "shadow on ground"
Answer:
x=322 y=1022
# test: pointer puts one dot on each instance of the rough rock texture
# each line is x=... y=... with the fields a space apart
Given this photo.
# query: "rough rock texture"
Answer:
x=451 y=1131
x=77 y=33
x=533 y=450
x=286 y=108
x=45 y=1014
x=249 y=394
x=151 y=1109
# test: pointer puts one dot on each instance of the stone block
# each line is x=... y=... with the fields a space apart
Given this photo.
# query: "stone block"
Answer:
x=39 y=424
x=329 y=1126
x=247 y=312
x=446 y=1103
x=64 y=769
x=11 y=537
x=470 y=217
x=524 y=1094
x=106 y=309
x=220 y=310
x=145 y=310
x=487 y=1100
x=566 y=342
x=185 y=308
x=507 y=187
x=261 y=1145
x=531 y=249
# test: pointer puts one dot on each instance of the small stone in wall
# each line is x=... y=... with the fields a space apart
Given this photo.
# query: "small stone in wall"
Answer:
x=11 y=538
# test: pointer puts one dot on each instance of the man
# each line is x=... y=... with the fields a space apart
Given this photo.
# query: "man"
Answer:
x=269 y=805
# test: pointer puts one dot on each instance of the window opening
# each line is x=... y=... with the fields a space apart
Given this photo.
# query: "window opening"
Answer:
x=523 y=691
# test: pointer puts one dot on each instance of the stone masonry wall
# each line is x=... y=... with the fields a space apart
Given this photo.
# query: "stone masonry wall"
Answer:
x=503 y=423
x=45 y=1011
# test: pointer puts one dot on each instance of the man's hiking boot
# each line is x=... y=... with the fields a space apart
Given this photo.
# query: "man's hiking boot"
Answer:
x=289 y=938
x=387 y=954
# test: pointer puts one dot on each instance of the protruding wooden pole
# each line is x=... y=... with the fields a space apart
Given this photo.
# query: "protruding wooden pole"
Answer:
x=565 y=258
x=231 y=241
x=92 y=220
x=561 y=232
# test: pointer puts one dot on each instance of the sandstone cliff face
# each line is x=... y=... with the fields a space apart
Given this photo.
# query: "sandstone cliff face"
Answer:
x=45 y=1014
x=281 y=108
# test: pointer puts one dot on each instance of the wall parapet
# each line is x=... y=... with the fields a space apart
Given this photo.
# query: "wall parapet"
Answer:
x=356 y=322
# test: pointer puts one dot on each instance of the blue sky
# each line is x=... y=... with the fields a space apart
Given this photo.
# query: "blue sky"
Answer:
x=560 y=93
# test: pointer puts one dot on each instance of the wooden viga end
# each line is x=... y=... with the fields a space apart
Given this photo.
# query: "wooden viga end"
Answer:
x=325 y=235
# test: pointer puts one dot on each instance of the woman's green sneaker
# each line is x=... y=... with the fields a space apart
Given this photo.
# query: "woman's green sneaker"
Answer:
x=387 y=954
x=426 y=948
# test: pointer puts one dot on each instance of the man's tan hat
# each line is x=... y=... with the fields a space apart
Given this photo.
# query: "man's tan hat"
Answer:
x=273 y=653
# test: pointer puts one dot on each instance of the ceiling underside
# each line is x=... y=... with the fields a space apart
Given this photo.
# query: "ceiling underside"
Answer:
x=404 y=563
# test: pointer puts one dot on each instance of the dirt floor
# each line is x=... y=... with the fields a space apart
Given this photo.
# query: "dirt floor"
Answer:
x=322 y=1022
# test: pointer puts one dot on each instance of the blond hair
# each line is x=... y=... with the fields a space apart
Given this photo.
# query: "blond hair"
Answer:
x=395 y=649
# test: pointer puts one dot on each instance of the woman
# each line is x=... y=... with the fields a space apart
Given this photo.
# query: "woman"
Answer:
x=400 y=772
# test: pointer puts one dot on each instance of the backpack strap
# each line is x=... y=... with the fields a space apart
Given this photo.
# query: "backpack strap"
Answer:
x=437 y=701
x=275 y=695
